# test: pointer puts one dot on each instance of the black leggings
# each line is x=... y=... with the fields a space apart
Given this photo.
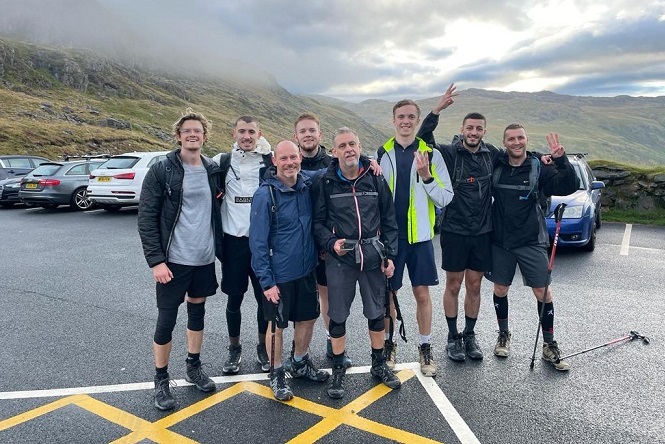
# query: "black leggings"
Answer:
x=234 y=315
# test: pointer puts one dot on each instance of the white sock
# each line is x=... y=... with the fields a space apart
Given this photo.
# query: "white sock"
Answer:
x=424 y=339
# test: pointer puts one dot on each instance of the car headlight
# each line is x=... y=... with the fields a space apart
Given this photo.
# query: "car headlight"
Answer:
x=573 y=212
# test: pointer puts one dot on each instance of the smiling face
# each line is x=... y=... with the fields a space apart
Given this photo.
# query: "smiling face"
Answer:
x=473 y=131
x=191 y=135
x=347 y=149
x=515 y=140
x=406 y=120
x=308 y=135
x=246 y=134
x=287 y=160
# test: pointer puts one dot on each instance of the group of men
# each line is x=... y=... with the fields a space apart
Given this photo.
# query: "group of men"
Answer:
x=305 y=227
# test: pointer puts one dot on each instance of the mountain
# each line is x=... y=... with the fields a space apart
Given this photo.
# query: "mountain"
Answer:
x=56 y=101
x=623 y=128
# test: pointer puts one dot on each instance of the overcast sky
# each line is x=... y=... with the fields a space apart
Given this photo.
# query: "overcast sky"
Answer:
x=389 y=49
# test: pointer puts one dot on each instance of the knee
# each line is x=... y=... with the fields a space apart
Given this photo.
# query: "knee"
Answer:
x=166 y=319
x=501 y=290
x=377 y=324
x=336 y=329
x=195 y=316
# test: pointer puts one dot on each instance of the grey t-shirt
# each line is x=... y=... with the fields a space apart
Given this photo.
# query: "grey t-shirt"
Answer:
x=193 y=242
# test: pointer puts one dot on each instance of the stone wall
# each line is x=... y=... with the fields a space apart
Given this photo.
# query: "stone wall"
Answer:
x=628 y=190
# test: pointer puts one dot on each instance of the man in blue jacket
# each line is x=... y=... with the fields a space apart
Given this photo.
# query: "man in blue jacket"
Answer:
x=284 y=258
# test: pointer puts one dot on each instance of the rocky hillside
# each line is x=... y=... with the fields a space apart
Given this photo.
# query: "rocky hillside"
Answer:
x=55 y=101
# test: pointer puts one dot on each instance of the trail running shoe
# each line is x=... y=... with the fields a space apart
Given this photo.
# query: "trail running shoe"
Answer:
x=455 y=348
x=262 y=357
x=280 y=388
x=381 y=371
x=471 y=346
x=390 y=353
x=502 y=347
x=552 y=354
x=427 y=365
x=163 y=398
x=232 y=364
x=336 y=388
x=305 y=368
x=197 y=376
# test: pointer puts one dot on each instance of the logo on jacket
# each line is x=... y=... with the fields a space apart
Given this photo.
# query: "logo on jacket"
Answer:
x=243 y=200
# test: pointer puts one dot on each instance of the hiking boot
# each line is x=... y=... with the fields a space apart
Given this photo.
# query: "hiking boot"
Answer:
x=381 y=371
x=306 y=368
x=552 y=354
x=163 y=397
x=329 y=354
x=471 y=347
x=390 y=353
x=232 y=364
x=279 y=386
x=197 y=376
x=455 y=348
x=336 y=388
x=262 y=357
x=427 y=365
x=502 y=347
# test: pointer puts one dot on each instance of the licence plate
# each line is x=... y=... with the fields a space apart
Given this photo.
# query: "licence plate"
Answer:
x=31 y=185
x=103 y=179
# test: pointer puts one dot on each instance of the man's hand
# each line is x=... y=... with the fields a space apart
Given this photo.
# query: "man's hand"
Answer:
x=422 y=165
x=161 y=273
x=374 y=166
x=556 y=149
x=272 y=294
x=338 y=247
x=446 y=100
x=388 y=270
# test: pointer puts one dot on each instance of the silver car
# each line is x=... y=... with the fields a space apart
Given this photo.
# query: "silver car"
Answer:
x=59 y=183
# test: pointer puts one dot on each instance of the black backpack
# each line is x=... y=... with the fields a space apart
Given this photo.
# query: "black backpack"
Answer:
x=532 y=189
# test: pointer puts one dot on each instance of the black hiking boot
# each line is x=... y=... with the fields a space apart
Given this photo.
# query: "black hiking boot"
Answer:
x=336 y=388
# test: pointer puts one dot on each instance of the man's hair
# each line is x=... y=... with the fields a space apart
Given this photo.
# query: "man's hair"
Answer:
x=474 y=116
x=246 y=119
x=344 y=130
x=307 y=116
x=189 y=114
x=405 y=102
x=513 y=126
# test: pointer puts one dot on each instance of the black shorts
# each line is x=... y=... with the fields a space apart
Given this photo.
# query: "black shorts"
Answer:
x=321 y=278
x=460 y=252
x=342 y=290
x=419 y=260
x=298 y=301
x=196 y=281
x=237 y=266
x=531 y=259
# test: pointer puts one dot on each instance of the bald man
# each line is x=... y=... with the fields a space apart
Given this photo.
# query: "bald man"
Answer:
x=284 y=258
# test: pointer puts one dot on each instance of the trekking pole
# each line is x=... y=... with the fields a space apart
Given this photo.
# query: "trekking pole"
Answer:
x=398 y=312
x=272 y=338
x=629 y=337
x=558 y=215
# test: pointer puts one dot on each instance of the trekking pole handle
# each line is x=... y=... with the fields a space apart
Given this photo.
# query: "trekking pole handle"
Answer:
x=558 y=212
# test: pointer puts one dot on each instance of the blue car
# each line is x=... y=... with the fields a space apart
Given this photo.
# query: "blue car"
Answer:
x=582 y=216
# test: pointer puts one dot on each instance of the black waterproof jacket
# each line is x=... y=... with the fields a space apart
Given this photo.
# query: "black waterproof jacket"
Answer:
x=517 y=219
x=320 y=161
x=161 y=201
x=360 y=209
x=469 y=213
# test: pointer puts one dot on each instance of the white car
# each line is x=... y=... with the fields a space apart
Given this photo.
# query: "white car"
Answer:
x=117 y=182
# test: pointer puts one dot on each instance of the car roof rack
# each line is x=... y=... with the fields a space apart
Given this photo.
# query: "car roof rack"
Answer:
x=68 y=157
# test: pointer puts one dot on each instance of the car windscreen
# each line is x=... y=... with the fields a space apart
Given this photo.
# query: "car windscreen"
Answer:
x=580 y=176
x=47 y=169
x=119 y=162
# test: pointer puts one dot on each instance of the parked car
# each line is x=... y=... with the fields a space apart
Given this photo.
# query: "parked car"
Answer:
x=59 y=183
x=9 y=191
x=117 y=182
x=16 y=165
x=582 y=215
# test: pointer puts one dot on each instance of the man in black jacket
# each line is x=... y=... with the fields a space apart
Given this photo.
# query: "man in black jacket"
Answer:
x=519 y=235
x=354 y=221
x=181 y=232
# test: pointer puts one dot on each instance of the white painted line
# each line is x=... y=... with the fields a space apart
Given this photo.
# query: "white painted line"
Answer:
x=625 y=243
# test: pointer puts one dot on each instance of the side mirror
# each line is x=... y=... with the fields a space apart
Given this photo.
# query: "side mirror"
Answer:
x=597 y=184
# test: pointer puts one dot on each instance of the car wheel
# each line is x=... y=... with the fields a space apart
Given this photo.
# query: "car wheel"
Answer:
x=80 y=200
x=111 y=208
x=591 y=245
x=7 y=204
x=599 y=222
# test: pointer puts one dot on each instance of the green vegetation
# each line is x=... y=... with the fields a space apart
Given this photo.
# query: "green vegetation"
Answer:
x=655 y=217
x=638 y=170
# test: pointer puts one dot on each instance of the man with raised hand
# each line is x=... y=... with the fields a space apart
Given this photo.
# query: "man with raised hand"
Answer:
x=180 y=228
x=241 y=179
x=419 y=181
x=284 y=257
x=307 y=133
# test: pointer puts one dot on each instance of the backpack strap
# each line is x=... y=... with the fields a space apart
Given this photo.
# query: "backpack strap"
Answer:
x=531 y=188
